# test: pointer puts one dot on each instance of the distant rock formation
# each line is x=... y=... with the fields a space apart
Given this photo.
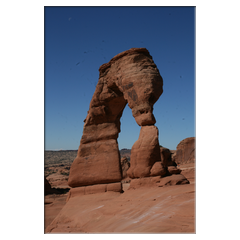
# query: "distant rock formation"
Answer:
x=125 y=164
x=185 y=151
x=125 y=153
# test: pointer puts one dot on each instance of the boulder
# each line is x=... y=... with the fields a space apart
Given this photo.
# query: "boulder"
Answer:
x=158 y=169
x=175 y=179
x=132 y=78
x=174 y=170
x=185 y=151
x=166 y=157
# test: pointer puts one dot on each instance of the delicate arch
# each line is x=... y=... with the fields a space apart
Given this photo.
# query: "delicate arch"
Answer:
x=130 y=77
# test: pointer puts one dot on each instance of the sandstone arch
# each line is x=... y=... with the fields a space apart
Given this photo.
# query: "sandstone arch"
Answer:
x=130 y=77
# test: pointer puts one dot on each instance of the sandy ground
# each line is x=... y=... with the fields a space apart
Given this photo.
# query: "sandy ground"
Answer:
x=145 y=210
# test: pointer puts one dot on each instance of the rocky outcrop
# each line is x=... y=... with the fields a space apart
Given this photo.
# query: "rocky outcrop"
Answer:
x=185 y=151
x=125 y=164
x=48 y=188
x=158 y=169
x=152 y=165
x=97 y=188
x=158 y=181
x=174 y=179
x=174 y=170
x=130 y=77
x=166 y=157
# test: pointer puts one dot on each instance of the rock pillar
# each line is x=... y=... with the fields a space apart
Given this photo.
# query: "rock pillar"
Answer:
x=145 y=152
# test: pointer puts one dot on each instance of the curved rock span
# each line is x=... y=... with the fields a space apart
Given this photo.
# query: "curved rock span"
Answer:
x=132 y=78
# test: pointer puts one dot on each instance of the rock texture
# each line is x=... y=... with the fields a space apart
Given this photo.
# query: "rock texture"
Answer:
x=140 y=210
x=185 y=151
x=173 y=170
x=130 y=77
x=158 y=181
x=175 y=179
x=158 y=169
x=166 y=157
x=97 y=188
x=145 y=152
x=152 y=165
x=125 y=166
x=48 y=188
x=152 y=209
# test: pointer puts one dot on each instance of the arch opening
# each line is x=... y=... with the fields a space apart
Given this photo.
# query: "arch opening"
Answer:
x=129 y=131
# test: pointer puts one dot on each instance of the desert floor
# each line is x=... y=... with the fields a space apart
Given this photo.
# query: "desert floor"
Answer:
x=169 y=209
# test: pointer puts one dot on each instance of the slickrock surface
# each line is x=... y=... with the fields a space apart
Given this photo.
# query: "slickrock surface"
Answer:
x=177 y=215
x=144 y=210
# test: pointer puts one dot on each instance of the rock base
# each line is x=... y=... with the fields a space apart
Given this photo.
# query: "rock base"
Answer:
x=158 y=181
x=98 y=188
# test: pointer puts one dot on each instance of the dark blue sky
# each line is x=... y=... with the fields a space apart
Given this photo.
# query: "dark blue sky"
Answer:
x=78 y=40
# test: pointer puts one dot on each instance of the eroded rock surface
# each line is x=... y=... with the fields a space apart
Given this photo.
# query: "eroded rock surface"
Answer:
x=48 y=188
x=145 y=152
x=185 y=151
x=125 y=166
x=130 y=77
x=158 y=169
x=166 y=157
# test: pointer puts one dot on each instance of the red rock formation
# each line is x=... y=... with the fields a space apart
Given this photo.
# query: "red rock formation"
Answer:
x=158 y=169
x=130 y=77
x=97 y=188
x=166 y=157
x=175 y=179
x=125 y=166
x=185 y=151
x=145 y=152
x=158 y=181
x=174 y=170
